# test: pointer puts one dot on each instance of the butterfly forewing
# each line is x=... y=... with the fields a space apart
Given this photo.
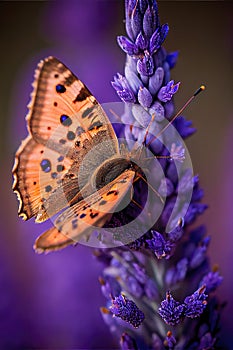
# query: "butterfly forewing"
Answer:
x=65 y=122
x=58 y=97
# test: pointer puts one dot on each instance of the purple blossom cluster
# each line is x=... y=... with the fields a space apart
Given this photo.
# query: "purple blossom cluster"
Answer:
x=159 y=287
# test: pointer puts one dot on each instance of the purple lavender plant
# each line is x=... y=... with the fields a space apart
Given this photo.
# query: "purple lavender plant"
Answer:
x=159 y=288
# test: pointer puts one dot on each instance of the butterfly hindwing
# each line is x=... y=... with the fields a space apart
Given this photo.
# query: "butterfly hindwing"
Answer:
x=86 y=215
x=31 y=188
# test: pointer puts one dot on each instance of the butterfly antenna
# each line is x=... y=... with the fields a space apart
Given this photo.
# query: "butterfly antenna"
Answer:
x=115 y=115
x=150 y=186
x=200 y=89
x=145 y=136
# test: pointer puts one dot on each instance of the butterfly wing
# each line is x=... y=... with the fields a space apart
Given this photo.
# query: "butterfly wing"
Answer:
x=83 y=217
x=64 y=122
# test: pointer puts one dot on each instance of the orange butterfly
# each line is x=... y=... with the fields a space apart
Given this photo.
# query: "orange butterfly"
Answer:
x=70 y=159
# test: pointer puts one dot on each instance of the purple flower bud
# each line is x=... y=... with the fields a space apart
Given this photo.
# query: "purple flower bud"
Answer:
x=136 y=21
x=186 y=182
x=198 y=256
x=169 y=341
x=155 y=41
x=144 y=97
x=127 y=342
x=177 y=273
x=177 y=233
x=140 y=272
x=157 y=110
x=141 y=42
x=123 y=89
x=184 y=127
x=145 y=65
x=195 y=303
x=169 y=109
x=206 y=342
x=142 y=116
x=158 y=38
x=156 y=80
x=143 y=6
x=158 y=245
x=110 y=287
x=133 y=80
x=150 y=19
x=166 y=187
x=127 y=310
x=177 y=153
x=166 y=92
x=145 y=79
x=164 y=32
x=212 y=280
x=129 y=6
x=127 y=45
x=171 y=310
x=166 y=214
x=134 y=286
x=194 y=210
x=172 y=59
x=198 y=194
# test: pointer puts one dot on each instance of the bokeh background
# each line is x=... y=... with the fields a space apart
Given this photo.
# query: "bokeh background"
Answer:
x=52 y=301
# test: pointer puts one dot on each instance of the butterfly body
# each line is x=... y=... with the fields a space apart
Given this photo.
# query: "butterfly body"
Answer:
x=70 y=160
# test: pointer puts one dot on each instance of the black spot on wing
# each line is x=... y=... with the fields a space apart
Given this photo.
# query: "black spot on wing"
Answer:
x=65 y=120
x=87 y=112
x=60 y=168
x=95 y=125
x=69 y=80
x=70 y=135
x=45 y=165
x=82 y=95
x=60 y=88
x=93 y=215
x=62 y=141
x=103 y=202
x=112 y=192
x=48 y=188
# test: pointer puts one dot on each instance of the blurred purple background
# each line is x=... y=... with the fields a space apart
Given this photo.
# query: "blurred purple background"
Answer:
x=53 y=301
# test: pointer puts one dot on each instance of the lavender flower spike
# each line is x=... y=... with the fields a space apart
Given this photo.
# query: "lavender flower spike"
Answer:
x=160 y=262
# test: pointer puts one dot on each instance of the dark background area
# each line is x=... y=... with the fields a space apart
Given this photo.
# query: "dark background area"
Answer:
x=52 y=301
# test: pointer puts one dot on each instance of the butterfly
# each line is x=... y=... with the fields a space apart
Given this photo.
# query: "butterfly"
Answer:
x=70 y=161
